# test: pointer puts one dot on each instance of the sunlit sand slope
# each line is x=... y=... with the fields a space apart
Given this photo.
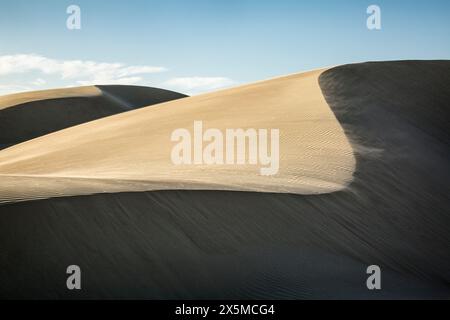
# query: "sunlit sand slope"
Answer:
x=28 y=115
x=132 y=151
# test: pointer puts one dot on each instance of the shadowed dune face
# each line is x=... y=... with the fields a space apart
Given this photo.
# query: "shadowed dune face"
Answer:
x=396 y=115
x=218 y=244
x=132 y=151
x=28 y=115
x=214 y=244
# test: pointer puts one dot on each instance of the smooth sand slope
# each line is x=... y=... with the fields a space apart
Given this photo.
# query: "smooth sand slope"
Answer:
x=222 y=244
x=132 y=151
x=24 y=116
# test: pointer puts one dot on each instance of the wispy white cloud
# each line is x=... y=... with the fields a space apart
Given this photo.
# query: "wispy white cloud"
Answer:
x=24 y=72
x=79 y=71
x=38 y=82
x=10 y=88
x=124 y=81
x=198 y=84
x=133 y=70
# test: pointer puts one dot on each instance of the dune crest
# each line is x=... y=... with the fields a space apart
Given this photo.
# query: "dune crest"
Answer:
x=131 y=151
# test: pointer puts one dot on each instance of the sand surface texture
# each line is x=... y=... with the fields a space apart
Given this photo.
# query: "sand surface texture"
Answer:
x=186 y=244
x=132 y=151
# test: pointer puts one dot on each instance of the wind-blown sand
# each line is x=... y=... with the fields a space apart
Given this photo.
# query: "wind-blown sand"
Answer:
x=392 y=211
x=131 y=151
x=24 y=116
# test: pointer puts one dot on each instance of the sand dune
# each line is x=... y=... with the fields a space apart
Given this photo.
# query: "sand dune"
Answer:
x=28 y=115
x=385 y=204
x=132 y=151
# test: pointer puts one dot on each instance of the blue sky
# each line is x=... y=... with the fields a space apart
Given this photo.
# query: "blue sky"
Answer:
x=196 y=46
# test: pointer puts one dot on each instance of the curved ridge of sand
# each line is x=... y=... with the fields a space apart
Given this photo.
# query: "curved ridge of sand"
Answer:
x=131 y=151
x=27 y=115
x=15 y=99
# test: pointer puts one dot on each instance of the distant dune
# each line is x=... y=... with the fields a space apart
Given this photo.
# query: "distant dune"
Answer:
x=24 y=116
x=363 y=180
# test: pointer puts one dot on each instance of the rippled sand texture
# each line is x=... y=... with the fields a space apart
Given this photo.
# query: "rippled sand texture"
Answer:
x=131 y=151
